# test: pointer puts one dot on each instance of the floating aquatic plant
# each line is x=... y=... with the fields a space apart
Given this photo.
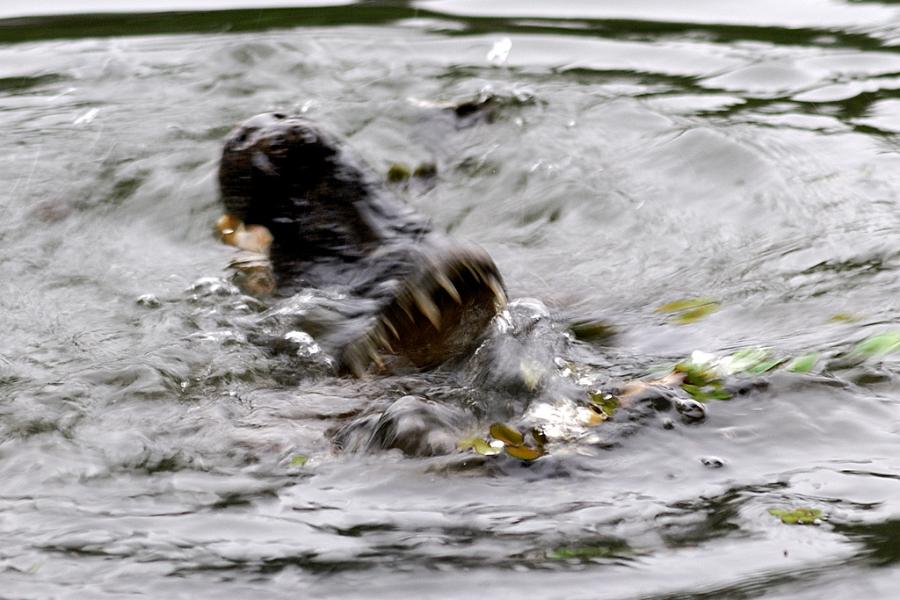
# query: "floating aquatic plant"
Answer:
x=879 y=344
x=506 y=434
x=526 y=453
x=753 y=361
x=398 y=172
x=592 y=330
x=508 y=439
x=689 y=310
x=700 y=380
x=797 y=516
x=605 y=402
x=803 y=364
x=843 y=317
x=480 y=446
x=599 y=549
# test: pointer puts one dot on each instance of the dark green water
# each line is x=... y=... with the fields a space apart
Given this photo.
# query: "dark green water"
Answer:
x=744 y=152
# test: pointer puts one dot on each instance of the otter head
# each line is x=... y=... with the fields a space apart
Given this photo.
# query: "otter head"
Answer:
x=284 y=173
x=333 y=224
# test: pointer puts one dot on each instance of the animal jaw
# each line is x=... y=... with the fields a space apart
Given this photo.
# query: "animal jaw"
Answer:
x=304 y=212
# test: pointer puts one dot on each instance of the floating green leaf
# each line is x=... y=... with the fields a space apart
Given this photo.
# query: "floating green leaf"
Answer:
x=689 y=310
x=684 y=304
x=705 y=393
x=593 y=416
x=507 y=434
x=398 y=172
x=524 y=452
x=425 y=170
x=485 y=449
x=298 y=460
x=797 y=516
x=701 y=382
x=766 y=365
x=479 y=445
x=843 y=318
x=879 y=344
x=565 y=553
x=803 y=364
x=603 y=549
x=695 y=374
x=592 y=330
x=754 y=361
x=744 y=360
x=695 y=314
x=607 y=402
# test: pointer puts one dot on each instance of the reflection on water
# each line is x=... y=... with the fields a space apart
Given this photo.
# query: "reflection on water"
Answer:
x=639 y=154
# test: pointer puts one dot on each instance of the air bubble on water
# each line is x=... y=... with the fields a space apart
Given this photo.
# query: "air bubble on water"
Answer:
x=563 y=366
x=701 y=358
x=213 y=286
x=148 y=300
x=307 y=346
x=561 y=420
x=303 y=340
x=223 y=337
x=298 y=304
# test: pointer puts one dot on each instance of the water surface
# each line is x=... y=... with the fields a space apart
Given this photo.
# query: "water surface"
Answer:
x=746 y=153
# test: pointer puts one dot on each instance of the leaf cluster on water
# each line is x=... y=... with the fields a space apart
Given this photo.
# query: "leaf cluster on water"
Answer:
x=606 y=402
x=701 y=381
x=509 y=440
x=797 y=516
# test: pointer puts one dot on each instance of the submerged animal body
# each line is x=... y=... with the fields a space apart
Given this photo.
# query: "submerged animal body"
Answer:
x=317 y=217
x=310 y=215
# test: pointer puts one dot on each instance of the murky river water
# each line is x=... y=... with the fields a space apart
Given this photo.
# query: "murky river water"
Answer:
x=744 y=153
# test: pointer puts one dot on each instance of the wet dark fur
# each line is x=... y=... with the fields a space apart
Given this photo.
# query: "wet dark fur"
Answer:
x=336 y=225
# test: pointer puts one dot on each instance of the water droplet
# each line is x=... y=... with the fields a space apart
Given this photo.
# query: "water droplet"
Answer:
x=148 y=300
x=499 y=52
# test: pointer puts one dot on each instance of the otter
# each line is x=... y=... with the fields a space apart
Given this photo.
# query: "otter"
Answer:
x=309 y=213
